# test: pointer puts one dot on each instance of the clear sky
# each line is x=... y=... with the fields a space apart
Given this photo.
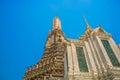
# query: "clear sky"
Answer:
x=24 y=26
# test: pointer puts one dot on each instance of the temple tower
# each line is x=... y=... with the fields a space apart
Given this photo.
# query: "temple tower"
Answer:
x=94 y=56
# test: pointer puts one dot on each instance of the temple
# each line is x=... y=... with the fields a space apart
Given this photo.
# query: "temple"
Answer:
x=94 y=56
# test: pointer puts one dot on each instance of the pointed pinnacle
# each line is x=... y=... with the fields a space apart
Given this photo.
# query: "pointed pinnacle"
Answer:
x=87 y=25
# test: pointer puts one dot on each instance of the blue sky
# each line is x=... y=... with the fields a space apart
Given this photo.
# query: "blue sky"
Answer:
x=24 y=26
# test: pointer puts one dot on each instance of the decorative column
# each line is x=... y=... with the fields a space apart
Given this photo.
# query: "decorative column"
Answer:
x=94 y=52
x=87 y=59
x=66 y=66
x=93 y=67
x=75 y=60
x=70 y=62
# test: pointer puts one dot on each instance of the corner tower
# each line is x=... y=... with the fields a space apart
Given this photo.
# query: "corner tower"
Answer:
x=54 y=53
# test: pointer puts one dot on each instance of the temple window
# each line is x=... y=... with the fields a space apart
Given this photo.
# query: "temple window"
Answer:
x=110 y=53
x=81 y=59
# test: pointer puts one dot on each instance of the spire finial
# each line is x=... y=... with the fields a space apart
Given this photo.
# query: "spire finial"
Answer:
x=87 y=25
x=56 y=23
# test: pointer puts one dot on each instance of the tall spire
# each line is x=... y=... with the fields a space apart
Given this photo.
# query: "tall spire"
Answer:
x=56 y=23
x=87 y=25
x=88 y=28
